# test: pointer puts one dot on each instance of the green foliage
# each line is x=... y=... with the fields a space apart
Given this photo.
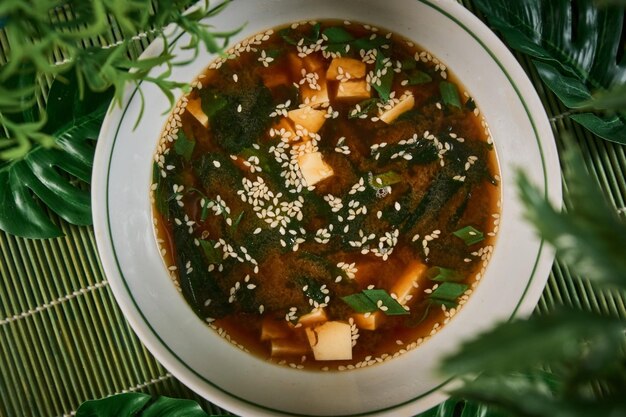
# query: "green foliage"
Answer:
x=582 y=350
x=591 y=237
x=140 y=405
x=55 y=177
x=456 y=407
x=51 y=39
x=575 y=47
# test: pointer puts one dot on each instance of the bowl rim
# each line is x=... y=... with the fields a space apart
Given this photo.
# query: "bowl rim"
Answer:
x=141 y=325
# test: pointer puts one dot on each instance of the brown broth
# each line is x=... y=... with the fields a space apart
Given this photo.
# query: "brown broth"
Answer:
x=264 y=275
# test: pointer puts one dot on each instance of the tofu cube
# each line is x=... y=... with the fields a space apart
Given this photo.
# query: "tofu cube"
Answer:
x=274 y=329
x=330 y=341
x=284 y=128
x=407 y=101
x=310 y=63
x=275 y=78
x=313 y=62
x=307 y=117
x=371 y=321
x=407 y=284
x=314 y=97
x=194 y=108
x=289 y=347
x=313 y=168
x=315 y=317
x=345 y=68
x=353 y=90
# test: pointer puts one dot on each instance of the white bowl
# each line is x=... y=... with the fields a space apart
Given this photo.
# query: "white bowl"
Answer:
x=246 y=384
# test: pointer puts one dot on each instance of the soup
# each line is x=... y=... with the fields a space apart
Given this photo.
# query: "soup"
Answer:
x=326 y=196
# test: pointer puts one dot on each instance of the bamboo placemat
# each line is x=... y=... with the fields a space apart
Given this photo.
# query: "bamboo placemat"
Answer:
x=63 y=339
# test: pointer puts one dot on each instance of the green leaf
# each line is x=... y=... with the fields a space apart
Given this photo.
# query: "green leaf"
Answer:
x=570 y=90
x=524 y=344
x=444 y=409
x=65 y=103
x=591 y=236
x=184 y=146
x=140 y=405
x=458 y=407
x=611 y=128
x=575 y=46
x=49 y=175
x=449 y=94
x=614 y=99
x=538 y=394
x=128 y=404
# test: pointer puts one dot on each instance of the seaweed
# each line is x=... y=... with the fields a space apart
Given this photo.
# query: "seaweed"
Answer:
x=211 y=177
x=422 y=152
x=193 y=278
x=243 y=119
x=442 y=189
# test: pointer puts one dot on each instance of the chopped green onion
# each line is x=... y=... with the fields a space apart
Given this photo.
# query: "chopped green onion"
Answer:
x=184 y=146
x=366 y=106
x=385 y=179
x=439 y=301
x=385 y=303
x=383 y=84
x=340 y=48
x=469 y=235
x=419 y=77
x=205 y=210
x=369 y=301
x=212 y=102
x=238 y=220
x=213 y=255
x=448 y=291
x=367 y=44
x=409 y=64
x=337 y=34
x=440 y=274
x=449 y=94
x=288 y=35
x=360 y=303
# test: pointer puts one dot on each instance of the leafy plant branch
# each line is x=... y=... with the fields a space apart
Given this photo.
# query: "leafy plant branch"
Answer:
x=46 y=153
x=38 y=33
x=577 y=48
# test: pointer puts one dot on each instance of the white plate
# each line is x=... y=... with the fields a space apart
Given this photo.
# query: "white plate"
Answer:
x=245 y=384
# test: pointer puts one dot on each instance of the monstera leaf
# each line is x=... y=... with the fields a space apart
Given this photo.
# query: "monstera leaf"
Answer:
x=461 y=408
x=54 y=177
x=140 y=405
x=578 y=53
